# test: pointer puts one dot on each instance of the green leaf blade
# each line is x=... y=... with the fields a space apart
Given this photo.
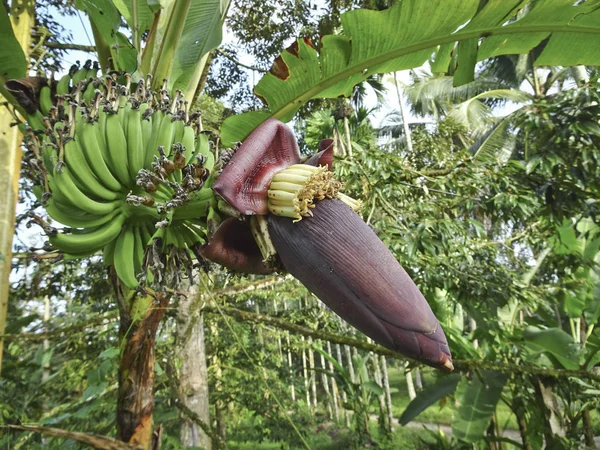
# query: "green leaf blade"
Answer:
x=406 y=35
x=11 y=53
x=477 y=404
x=202 y=32
x=427 y=397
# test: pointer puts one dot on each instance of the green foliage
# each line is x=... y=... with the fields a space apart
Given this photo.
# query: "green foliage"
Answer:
x=404 y=37
x=105 y=16
x=11 y=54
x=443 y=387
x=477 y=405
x=505 y=237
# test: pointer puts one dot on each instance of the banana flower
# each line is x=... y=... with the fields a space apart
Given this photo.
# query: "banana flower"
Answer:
x=294 y=215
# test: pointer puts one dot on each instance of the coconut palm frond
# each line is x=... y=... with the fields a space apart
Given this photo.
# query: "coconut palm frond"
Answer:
x=359 y=94
x=508 y=70
x=476 y=115
x=432 y=95
x=511 y=95
x=473 y=114
x=497 y=144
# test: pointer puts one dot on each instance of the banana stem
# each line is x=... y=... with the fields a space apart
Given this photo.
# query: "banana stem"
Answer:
x=168 y=47
x=103 y=49
x=260 y=231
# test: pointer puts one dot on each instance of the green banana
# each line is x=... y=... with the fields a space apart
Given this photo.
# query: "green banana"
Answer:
x=189 y=236
x=87 y=135
x=93 y=71
x=146 y=234
x=189 y=142
x=46 y=100
x=135 y=143
x=151 y=147
x=63 y=186
x=159 y=233
x=89 y=94
x=198 y=206
x=169 y=239
x=138 y=249
x=117 y=147
x=123 y=258
x=36 y=121
x=73 y=256
x=178 y=127
x=89 y=239
x=72 y=217
x=146 y=125
x=204 y=149
x=84 y=178
x=123 y=111
x=62 y=88
x=81 y=73
x=165 y=134
x=143 y=107
x=108 y=254
x=179 y=234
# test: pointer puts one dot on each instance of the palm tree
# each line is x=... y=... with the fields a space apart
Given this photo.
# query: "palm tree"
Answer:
x=490 y=108
x=326 y=124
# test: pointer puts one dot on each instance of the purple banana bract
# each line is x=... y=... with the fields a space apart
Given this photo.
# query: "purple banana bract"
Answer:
x=333 y=252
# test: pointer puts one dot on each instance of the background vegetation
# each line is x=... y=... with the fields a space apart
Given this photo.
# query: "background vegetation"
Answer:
x=487 y=195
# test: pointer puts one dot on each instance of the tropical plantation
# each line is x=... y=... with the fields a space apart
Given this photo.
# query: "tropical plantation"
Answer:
x=300 y=225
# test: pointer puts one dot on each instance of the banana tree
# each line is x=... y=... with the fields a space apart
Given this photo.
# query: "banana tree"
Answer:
x=87 y=137
x=16 y=40
x=123 y=161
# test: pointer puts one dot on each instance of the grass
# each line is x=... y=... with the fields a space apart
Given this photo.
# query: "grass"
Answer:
x=402 y=438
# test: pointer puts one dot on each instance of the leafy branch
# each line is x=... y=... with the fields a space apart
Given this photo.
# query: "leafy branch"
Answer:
x=464 y=365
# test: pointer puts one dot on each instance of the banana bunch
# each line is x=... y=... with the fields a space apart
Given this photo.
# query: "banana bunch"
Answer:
x=126 y=169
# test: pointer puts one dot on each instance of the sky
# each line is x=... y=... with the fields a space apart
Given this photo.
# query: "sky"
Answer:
x=80 y=29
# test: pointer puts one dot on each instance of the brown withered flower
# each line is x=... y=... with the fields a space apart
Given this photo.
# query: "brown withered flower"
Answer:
x=297 y=217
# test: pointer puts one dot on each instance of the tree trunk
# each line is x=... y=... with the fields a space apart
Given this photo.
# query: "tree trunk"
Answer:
x=519 y=411
x=140 y=316
x=193 y=380
x=305 y=373
x=404 y=115
x=22 y=19
x=347 y=135
x=289 y=359
x=580 y=75
x=220 y=407
x=385 y=424
x=338 y=350
x=418 y=379
x=410 y=385
x=388 y=394
x=588 y=428
x=325 y=383
x=278 y=333
x=334 y=391
x=313 y=381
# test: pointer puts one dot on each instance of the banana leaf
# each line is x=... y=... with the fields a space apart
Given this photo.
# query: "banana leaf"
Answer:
x=407 y=35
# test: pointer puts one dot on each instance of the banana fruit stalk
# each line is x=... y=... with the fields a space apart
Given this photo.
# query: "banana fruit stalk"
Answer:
x=128 y=169
x=319 y=239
